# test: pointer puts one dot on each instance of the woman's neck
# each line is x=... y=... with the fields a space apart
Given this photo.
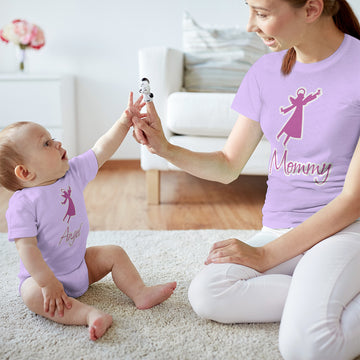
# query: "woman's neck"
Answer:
x=322 y=39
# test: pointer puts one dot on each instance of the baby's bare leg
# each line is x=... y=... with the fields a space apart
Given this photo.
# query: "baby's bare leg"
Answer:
x=102 y=260
x=79 y=314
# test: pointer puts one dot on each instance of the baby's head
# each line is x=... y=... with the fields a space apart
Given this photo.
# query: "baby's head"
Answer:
x=30 y=157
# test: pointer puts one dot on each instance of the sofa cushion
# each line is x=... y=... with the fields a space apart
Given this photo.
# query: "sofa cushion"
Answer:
x=217 y=59
x=201 y=114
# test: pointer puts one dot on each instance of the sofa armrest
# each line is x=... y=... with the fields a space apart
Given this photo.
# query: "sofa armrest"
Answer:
x=164 y=67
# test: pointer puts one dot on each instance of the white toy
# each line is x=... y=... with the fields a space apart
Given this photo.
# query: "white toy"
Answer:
x=145 y=90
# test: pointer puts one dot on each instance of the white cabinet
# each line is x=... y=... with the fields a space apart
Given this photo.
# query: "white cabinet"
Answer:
x=45 y=99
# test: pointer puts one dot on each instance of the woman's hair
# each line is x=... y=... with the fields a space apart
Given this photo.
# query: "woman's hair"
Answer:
x=10 y=157
x=344 y=18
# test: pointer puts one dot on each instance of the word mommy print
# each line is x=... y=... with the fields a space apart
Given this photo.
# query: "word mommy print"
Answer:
x=320 y=172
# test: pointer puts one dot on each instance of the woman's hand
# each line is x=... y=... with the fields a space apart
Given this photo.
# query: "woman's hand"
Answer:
x=55 y=298
x=148 y=131
x=237 y=252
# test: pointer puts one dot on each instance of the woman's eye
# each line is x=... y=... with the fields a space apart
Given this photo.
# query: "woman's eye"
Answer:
x=260 y=15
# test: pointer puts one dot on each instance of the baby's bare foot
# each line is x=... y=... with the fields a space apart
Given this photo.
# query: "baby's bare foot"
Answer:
x=99 y=322
x=154 y=295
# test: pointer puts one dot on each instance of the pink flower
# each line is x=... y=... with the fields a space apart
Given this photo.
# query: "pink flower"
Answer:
x=24 y=34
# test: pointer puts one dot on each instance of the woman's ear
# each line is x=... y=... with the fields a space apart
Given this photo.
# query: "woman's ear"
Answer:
x=22 y=172
x=314 y=9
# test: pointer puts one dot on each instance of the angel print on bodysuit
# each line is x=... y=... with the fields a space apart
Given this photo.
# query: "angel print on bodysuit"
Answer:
x=294 y=126
x=71 y=207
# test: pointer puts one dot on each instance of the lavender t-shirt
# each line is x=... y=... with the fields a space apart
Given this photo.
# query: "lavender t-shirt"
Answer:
x=312 y=121
x=56 y=215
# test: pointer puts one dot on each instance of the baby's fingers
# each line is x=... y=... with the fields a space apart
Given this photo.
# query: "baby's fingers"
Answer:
x=46 y=304
x=139 y=102
x=67 y=301
x=52 y=307
x=131 y=97
x=60 y=307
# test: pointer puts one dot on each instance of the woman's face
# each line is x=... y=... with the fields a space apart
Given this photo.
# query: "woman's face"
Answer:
x=276 y=22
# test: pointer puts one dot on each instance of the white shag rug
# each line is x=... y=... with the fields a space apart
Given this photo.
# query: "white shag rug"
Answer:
x=168 y=331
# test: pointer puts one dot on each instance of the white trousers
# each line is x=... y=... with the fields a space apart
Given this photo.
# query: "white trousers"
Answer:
x=316 y=296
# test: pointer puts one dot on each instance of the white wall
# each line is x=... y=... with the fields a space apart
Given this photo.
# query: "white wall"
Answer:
x=98 y=41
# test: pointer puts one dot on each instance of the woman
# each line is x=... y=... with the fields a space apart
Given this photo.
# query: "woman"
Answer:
x=302 y=268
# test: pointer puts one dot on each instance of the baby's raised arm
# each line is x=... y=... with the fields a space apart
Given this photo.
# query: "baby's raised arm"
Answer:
x=107 y=144
x=53 y=292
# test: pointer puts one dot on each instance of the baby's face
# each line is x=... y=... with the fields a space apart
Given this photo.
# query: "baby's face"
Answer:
x=44 y=156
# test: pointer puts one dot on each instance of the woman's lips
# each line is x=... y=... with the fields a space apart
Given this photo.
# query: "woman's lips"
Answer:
x=269 y=41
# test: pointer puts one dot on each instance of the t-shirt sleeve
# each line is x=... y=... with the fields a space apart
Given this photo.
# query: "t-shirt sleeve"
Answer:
x=21 y=218
x=247 y=100
x=85 y=166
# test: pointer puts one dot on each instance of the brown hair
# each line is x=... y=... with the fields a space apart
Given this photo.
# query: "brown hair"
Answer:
x=10 y=157
x=344 y=18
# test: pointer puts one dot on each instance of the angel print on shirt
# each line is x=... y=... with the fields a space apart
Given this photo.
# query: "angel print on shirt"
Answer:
x=71 y=207
x=294 y=126
x=281 y=160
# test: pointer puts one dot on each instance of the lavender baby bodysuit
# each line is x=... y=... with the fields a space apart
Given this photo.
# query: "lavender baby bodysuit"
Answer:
x=56 y=215
x=311 y=118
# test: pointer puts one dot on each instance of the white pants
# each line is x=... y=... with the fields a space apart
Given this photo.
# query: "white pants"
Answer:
x=315 y=295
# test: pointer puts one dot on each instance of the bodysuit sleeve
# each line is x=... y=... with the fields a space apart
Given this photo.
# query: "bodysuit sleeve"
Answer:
x=21 y=217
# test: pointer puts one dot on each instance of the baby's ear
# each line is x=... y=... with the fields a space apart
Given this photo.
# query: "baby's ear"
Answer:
x=22 y=172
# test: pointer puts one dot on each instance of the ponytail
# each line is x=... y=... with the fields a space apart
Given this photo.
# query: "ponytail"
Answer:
x=344 y=18
x=288 y=61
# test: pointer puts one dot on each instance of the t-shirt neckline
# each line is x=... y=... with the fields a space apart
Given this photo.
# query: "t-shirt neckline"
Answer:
x=299 y=66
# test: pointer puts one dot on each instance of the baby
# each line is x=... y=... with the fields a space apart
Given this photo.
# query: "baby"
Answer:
x=48 y=222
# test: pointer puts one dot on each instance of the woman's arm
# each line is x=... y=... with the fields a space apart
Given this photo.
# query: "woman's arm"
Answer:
x=332 y=218
x=53 y=291
x=222 y=166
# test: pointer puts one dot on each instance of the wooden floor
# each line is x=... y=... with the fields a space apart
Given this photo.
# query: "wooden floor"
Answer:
x=116 y=200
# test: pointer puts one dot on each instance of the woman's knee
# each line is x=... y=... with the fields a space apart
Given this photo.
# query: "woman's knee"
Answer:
x=199 y=298
x=204 y=292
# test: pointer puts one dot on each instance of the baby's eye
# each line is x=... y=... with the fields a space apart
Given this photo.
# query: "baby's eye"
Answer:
x=48 y=142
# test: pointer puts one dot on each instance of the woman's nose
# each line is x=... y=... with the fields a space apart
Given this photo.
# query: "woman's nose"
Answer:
x=251 y=25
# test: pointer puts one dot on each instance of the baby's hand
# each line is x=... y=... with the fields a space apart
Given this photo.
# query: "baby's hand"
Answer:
x=134 y=109
x=55 y=298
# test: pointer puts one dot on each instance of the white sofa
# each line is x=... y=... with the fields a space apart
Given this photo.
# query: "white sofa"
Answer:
x=197 y=121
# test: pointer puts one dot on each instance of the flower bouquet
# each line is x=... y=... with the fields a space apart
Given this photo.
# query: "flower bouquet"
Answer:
x=23 y=34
